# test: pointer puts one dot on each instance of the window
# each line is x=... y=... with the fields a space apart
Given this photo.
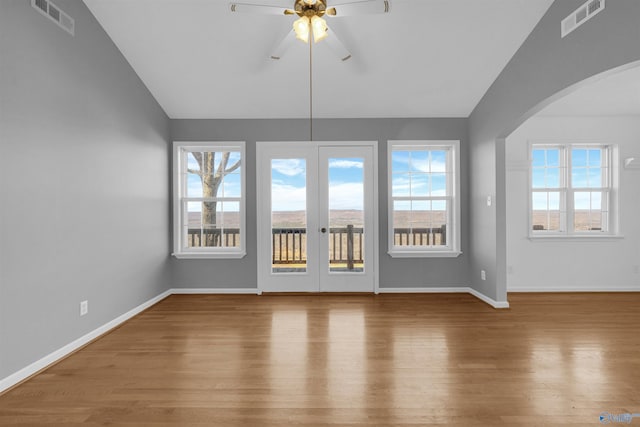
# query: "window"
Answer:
x=572 y=190
x=209 y=201
x=424 y=210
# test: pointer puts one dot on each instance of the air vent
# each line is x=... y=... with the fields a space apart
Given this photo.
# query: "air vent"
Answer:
x=41 y=4
x=54 y=13
x=581 y=15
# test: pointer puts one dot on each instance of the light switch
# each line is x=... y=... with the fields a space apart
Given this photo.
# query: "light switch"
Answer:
x=489 y=201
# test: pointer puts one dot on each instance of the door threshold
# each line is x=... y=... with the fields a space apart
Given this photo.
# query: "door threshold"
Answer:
x=315 y=293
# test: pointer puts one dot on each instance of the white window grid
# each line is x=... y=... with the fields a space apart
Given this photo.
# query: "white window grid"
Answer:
x=567 y=190
x=450 y=198
x=182 y=200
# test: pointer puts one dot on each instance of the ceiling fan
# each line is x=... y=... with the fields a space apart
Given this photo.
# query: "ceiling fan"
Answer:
x=310 y=20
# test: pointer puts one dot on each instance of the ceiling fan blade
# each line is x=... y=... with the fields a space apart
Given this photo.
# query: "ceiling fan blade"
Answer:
x=284 y=45
x=259 y=9
x=366 y=7
x=336 y=46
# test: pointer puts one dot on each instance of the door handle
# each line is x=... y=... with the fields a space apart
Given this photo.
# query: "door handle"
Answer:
x=323 y=230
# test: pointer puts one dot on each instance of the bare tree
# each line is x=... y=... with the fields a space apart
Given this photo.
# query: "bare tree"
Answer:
x=211 y=178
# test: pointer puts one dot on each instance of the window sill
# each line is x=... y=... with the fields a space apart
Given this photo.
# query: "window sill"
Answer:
x=576 y=238
x=209 y=255
x=424 y=254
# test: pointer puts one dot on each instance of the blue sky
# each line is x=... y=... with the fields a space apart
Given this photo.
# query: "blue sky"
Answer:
x=418 y=174
x=288 y=184
x=415 y=173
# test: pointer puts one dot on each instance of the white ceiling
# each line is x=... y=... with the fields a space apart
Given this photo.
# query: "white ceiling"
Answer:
x=426 y=58
x=615 y=95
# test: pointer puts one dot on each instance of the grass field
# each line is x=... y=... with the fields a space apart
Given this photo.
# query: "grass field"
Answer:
x=337 y=218
x=583 y=220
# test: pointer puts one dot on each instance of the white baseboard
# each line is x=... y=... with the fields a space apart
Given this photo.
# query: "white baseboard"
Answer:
x=448 y=290
x=493 y=303
x=192 y=291
x=424 y=290
x=52 y=358
x=572 y=289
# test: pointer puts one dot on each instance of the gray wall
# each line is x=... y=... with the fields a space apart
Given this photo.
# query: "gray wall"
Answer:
x=422 y=272
x=540 y=72
x=85 y=194
x=573 y=265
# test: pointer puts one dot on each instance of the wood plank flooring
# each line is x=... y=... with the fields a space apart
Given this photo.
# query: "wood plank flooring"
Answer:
x=349 y=360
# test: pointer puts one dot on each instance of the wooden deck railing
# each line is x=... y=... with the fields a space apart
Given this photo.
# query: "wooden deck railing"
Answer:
x=420 y=236
x=289 y=245
x=346 y=244
x=212 y=237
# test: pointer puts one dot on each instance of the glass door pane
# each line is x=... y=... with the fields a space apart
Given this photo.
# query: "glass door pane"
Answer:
x=345 y=218
x=346 y=214
x=289 y=215
x=315 y=205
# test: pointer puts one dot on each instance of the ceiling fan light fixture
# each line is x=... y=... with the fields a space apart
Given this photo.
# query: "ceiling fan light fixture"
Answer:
x=320 y=29
x=302 y=29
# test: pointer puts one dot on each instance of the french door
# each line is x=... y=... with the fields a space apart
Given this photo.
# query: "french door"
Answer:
x=316 y=217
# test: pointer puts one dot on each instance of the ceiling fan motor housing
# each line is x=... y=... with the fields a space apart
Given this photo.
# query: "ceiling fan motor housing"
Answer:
x=310 y=8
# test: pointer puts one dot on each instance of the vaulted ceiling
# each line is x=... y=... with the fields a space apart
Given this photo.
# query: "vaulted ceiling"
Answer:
x=426 y=58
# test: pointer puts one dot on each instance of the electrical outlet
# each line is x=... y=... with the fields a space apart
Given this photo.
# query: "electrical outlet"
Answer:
x=483 y=275
x=84 y=307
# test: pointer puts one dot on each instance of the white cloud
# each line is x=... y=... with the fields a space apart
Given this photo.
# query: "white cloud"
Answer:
x=423 y=166
x=345 y=164
x=402 y=183
x=343 y=196
x=420 y=165
x=288 y=198
x=346 y=195
x=289 y=167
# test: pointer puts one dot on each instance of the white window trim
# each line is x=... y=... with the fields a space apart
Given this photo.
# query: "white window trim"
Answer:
x=613 y=232
x=452 y=250
x=179 y=250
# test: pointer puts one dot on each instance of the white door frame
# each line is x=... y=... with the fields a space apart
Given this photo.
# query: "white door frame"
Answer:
x=261 y=198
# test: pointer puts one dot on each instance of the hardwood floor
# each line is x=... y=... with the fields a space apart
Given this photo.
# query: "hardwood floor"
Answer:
x=319 y=360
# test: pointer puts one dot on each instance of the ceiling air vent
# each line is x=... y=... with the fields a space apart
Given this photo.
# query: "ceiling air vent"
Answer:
x=581 y=15
x=41 y=4
x=54 y=13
